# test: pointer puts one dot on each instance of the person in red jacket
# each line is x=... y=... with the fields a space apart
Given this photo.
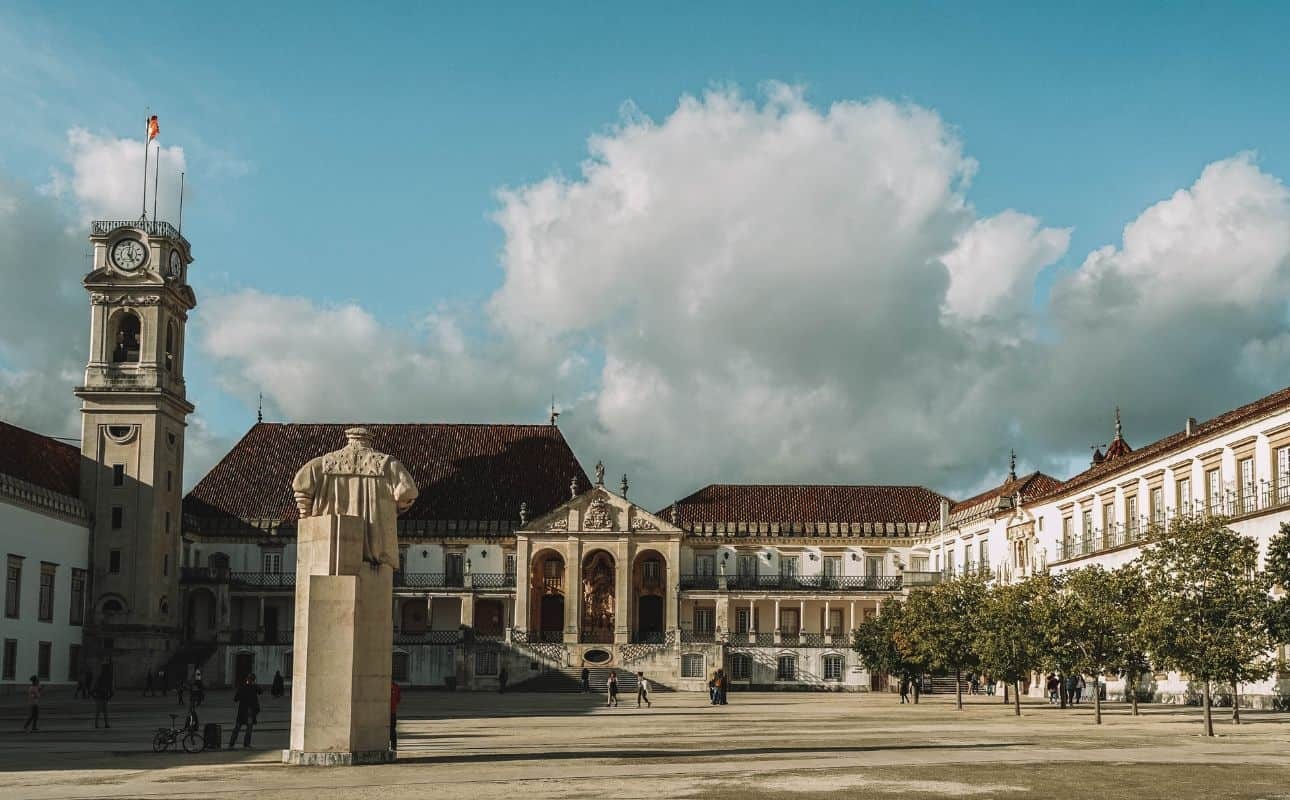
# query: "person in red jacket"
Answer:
x=396 y=694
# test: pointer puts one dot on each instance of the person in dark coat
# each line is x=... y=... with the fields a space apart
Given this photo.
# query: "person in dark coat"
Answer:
x=279 y=686
x=102 y=693
x=247 y=698
x=586 y=680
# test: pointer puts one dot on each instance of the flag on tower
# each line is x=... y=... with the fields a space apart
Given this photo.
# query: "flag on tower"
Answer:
x=153 y=128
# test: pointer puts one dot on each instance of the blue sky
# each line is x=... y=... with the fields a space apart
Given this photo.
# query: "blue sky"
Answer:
x=353 y=154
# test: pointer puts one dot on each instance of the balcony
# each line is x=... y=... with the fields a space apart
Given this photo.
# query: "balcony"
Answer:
x=698 y=637
x=203 y=575
x=263 y=580
x=797 y=583
x=479 y=581
x=428 y=637
x=251 y=636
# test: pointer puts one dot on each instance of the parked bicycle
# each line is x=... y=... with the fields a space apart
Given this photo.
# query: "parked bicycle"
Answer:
x=188 y=737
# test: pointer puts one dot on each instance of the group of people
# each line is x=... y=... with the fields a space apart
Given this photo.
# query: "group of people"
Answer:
x=718 y=687
x=99 y=689
x=978 y=684
x=611 y=688
x=1074 y=688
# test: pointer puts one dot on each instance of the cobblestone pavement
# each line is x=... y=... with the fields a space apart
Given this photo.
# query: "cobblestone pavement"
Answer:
x=483 y=746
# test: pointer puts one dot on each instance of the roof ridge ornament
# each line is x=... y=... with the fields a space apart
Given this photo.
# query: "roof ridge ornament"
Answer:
x=1012 y=465
x=624 y=484
x=600 y=472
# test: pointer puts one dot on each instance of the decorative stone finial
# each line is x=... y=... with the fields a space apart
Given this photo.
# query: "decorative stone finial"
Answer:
x=600 y=473
x=1012 y=465
x=524 y=514
x=1119 y=431
x=573 y=487
x=259 y=411
x=624 y=486
x=675 y=513
x=554 y=414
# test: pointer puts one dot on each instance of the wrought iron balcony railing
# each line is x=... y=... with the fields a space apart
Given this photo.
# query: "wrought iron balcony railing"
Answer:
x=823 y=583
x=698 y=637
x=263 y=580
x=152 y=227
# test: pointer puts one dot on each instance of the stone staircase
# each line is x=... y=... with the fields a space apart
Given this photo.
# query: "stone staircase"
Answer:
x=569 y=679
x=944 y=684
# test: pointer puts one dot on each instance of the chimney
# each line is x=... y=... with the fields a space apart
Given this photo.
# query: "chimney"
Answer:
x=1191 y=426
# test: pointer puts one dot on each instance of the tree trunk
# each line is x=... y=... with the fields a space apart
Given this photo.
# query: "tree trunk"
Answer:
x=1016 y=697
x=958 y=689
x=918 y=688
x=1209 y=713
x=1005 y=692
x=1061 y=689
x=1097 y=703
x=1236 y=705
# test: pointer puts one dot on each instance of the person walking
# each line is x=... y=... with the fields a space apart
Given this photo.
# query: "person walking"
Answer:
x=586 y=681
x=179 y=690
x=723 y=686
x=904 y=690
x=642 y=690
x=712 y=689
x=197 y=692
x=1053 y=685
x=147 y=683
x=1079 y=688
x=611 y=699
x=989 y=685
x=278 y=687
x=502 y=677
x=161 y=681
x=247 y=698
x=396 y=696
x=33 y=705
x=102 y=693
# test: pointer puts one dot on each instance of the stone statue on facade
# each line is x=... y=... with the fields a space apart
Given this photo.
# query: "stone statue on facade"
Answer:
x=357 y=481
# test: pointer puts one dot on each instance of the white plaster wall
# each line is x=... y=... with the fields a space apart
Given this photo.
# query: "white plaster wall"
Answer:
x=39 y=537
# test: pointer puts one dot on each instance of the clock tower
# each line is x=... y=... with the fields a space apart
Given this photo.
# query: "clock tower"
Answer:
x=133 y=411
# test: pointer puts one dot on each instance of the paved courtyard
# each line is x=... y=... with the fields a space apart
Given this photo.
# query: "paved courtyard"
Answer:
x=483 y=746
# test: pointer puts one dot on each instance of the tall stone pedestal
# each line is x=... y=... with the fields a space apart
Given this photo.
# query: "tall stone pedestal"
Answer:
x=340 y=694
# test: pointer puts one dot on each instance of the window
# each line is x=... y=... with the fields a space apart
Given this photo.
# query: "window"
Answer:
x=949 y=562
x=1068 y=533
x=509 y=567
x=983 y=555
x=167 y=526
x=552 y=569
x=1245 y=473
x=918 y=563
x=1214 y=491
x=833 y=566
x=171 y=337
x=788 y=566
x=165 y=564
x=13 y=587
x=835 y=621
x=1157 y=505
x=743 y=620
x=1131 y=513
x=873 y=565
x=114 y=561
x=747 y=566
x=704 y=620
x=704 y=565
x=118 y=474
x=789 y=620
x=112 y=607
x=786 y=668
x=399 y=666
x=76 y=615
x=833 y=668
x=1108 y=521
x=1184 y=496
x=453 y=569
x=118 y=517
x=740 y=667
x=273 y=562
x=125 y=345
x=10 y=659
x=45 y=607
x=485 y=662
x=1088 y=525
x=43 y=650
x=692 y=665
x=73 y=662
x=1283 y=475
x=652 y=572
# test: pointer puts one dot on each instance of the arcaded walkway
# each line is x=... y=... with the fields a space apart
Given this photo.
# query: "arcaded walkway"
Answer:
x=529 y=746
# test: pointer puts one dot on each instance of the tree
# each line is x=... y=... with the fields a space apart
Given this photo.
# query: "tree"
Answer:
x=1277 y=569
x=1007 y=638
x=1102 y=612
x=1051 y=606
x=884 y=646
x=941 y=626
x=1209 y=607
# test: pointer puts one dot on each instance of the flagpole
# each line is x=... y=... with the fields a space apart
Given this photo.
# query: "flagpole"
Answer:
x=181 y=204
x=144 y=213
x=156 y=179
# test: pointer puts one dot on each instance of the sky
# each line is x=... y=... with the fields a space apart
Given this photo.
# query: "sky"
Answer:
x=825 y=242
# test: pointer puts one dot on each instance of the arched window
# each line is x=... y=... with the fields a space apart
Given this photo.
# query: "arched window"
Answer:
x=112 y=606
x=218 y=561
x=172 y=341
x=125 y=341
x=692 y=665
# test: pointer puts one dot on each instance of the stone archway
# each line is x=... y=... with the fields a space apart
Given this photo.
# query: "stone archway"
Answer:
x=199 y=617
x=649 y=596
x=546 y=595
x=598 y=601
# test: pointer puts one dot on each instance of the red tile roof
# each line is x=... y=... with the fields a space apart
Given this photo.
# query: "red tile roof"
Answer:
x=1264 y=406
x=1033 y=485
x=464 y=472
x=38 y=459
x=753 y=503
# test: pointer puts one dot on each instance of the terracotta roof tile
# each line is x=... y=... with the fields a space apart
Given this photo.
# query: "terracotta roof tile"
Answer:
x=464 y=472
x=1033 y=485
x=1275 y=402
x=38 y=459
x=806 y=504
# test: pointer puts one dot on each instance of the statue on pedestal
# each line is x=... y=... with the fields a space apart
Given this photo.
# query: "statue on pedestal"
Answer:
x=357 y=481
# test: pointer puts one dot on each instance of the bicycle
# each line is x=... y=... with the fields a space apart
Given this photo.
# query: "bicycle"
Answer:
x=187 y=737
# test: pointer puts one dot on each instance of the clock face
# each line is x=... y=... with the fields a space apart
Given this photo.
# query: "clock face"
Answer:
x=129 y=254
x=176 y=263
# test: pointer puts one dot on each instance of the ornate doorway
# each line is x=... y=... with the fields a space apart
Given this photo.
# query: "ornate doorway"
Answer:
x=546 y=596
x=649 y=583
x=598 y=598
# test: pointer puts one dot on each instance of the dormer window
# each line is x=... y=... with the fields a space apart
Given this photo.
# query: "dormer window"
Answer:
x=125 y=342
